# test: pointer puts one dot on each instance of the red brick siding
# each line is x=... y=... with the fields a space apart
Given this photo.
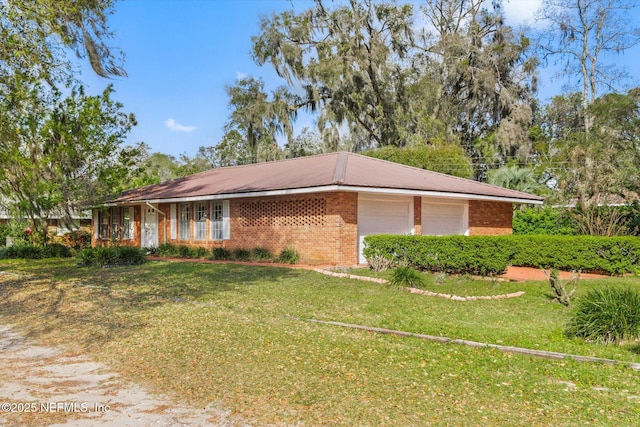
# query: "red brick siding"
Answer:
x=417 y=216
x=322 y=227
x=490 y=218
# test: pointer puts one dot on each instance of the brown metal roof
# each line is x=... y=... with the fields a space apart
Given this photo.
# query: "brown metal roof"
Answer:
x=343 y=169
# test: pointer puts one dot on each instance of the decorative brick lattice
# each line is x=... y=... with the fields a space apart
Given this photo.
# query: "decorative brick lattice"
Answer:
x=283 y=213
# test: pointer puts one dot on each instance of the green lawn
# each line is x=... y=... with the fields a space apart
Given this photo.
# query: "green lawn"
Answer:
x=226 y=334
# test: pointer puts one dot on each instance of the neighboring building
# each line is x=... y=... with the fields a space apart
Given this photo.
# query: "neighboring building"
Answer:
x=56 y=226
x=323 y=206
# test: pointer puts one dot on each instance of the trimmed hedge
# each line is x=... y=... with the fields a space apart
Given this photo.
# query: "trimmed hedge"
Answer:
x=54 y=250
x=610 y=255
x=489 y=255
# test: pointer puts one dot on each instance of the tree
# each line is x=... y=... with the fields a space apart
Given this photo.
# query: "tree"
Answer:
x=484 y=78
x=232 y=150
x=349 y=62
x=58 y=155
x=62 y=155
x=376 y=78
x=516 y=178
x=579 y=33
x=599 y=167
x=259 y=118
x=449 y=159
x=307 y=143
x=36 y=35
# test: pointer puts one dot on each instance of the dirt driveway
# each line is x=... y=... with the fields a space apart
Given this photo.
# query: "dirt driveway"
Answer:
x=44 y=386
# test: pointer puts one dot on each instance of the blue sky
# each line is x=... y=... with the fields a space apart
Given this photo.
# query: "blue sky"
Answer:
x=180 y=55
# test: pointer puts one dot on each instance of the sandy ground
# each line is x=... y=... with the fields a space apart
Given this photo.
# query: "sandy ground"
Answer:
x=43 y=386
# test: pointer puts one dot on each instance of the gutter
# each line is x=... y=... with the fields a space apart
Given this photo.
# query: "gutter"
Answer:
x=337 y=187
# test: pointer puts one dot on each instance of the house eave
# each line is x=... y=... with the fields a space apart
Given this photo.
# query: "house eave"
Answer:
x=331 y=188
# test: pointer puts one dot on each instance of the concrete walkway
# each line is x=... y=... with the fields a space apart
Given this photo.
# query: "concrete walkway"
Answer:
x=44 y=386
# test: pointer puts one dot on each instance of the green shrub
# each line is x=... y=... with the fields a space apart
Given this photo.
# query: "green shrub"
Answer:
x=199 y=252
x=607 y=315
x=289 y=256
x=611 y=255
x=166 y=250
x=22 y=251
x=261 y=254
x=112 y=255
x=5 y=231
x=220 y=254
x=406 y=277
x=449 y=254
x=240 y=254
x=78 y=239
x=184 y=251
x=487 y=255
x=56 y=250
x=547 y=221
x=131 y=255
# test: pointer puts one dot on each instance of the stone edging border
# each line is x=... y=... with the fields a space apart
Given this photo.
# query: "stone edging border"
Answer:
x=420 y=291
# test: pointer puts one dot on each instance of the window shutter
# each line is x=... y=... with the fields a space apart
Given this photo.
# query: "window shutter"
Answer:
x=226 y=228
x=172 y=220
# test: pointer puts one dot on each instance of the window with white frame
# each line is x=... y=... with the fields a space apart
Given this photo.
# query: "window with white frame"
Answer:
x=220 y=229
x=200 y=221
x=127 y=223
x=115 y=222
x=184 y=226
x=104 y=226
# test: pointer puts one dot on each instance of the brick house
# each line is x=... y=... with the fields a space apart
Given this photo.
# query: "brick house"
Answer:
x=323 y=206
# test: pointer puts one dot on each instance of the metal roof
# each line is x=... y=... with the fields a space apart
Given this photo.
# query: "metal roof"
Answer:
x=341 y=171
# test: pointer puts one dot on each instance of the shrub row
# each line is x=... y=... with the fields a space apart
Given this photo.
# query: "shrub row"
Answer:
x=112 y=255
x=488 y=255
x=289 y=256
x=54 y=250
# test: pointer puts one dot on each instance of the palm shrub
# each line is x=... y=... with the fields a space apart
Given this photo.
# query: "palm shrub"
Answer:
x=289 y=256
x=184 y=251
x=406 y=277
x=199 y=252
x=240 y=254
x=261 y=254
x=608 y=315
x=220 y=254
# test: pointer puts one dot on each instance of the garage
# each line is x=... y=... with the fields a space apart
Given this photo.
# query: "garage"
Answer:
x=441 y=219
x=383 y=215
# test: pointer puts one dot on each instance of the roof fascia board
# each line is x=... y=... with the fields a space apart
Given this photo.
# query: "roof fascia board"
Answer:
x=329 y=188
x=444 y=195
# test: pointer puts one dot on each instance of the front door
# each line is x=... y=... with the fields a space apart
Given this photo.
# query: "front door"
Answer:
x=149 y=228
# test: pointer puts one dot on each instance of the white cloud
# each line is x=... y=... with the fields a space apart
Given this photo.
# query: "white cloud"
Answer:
x=177 y=127
x=521 y=12
x=240 y=75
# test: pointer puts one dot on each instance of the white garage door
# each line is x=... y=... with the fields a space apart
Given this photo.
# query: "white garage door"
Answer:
x=441 y=219
x=383 y=216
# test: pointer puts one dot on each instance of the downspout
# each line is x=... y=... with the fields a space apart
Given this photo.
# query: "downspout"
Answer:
x=165 y=219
